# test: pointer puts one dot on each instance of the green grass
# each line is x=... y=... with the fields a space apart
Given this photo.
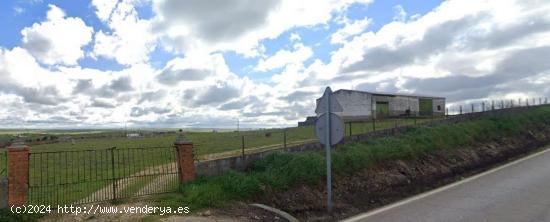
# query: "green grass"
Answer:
x=216 y=142
x=67 y=173
x=281 y=171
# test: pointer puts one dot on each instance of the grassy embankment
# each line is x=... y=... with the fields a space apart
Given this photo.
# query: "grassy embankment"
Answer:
x=284 y=170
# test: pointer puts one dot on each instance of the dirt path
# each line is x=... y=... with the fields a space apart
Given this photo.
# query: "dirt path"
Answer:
x=106 y=193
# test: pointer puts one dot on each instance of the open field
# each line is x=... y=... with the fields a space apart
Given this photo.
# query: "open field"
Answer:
x=217 y=142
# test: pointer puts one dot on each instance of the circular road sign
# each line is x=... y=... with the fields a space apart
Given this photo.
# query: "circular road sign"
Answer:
x=336 y=129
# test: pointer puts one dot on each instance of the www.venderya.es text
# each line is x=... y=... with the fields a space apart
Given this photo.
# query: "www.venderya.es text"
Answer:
x=98 y=209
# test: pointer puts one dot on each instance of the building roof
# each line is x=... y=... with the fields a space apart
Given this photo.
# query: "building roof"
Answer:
x=390 y=94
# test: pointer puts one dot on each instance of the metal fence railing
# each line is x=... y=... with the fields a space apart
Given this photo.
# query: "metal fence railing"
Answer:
x=3 y=163
x=87 y=176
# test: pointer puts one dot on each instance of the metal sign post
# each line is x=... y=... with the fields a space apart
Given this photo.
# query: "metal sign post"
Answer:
x=329 y=128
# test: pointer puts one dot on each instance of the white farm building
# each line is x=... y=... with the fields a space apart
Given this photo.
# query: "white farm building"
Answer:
x=361 y=105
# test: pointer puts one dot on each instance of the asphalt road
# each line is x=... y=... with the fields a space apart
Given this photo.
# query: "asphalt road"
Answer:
x=519 y=191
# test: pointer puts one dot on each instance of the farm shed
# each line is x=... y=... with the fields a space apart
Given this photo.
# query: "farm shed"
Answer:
x=361 y=105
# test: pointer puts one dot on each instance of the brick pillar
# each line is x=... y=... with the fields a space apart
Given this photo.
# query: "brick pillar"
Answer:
x=185 y=160
x=18 y=174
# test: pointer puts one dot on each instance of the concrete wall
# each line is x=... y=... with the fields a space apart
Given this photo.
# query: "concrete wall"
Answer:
x=441 y=103
x=400 y=104
x=359 y=105
x=356 y=105
x=216 y=167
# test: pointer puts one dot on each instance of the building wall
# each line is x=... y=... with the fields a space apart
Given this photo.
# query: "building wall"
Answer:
x=400 y=104
x=362 y=105
x=441 y=103
x=356 y=105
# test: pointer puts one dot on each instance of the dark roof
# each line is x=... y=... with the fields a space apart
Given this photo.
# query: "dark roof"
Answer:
x=390 y=94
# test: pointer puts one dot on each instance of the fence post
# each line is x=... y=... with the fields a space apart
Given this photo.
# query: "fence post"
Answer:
x=501 y=104
x=18 y=174
x=446 y=112
x=492 y=105
x=512 y=103
x=350 y=133
x=186 y=165
x=482 y=106
x=472 y=108
x=242 y=146
x=460 y=109
x=284 y=138
x=373 y=124
x=115 y=182
x=527 y=102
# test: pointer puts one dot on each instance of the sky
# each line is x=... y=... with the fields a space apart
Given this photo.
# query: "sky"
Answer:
x=196 y=63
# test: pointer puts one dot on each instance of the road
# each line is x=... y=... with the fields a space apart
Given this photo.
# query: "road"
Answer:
x=518 y=191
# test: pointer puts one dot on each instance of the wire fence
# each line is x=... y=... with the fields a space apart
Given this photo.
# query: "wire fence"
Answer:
x=223 y=144
x=87 y=176
x=489 y=105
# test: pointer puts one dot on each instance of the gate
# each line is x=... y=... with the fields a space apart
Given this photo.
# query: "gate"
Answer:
x=87 y=176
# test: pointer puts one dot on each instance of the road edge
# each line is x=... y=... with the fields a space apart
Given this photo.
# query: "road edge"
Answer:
x=443 y=188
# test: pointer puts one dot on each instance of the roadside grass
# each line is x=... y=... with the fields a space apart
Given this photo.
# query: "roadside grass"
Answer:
x=281 y=171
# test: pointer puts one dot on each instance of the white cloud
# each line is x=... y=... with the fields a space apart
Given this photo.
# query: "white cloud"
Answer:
x=18 y=10
x=400 y=13
x=240 y=28
x=463 y=50
x=130 y=40
x=284 y=57
x=104 y=8
x=454 y=47
x=351 y=28
x=59 y=39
